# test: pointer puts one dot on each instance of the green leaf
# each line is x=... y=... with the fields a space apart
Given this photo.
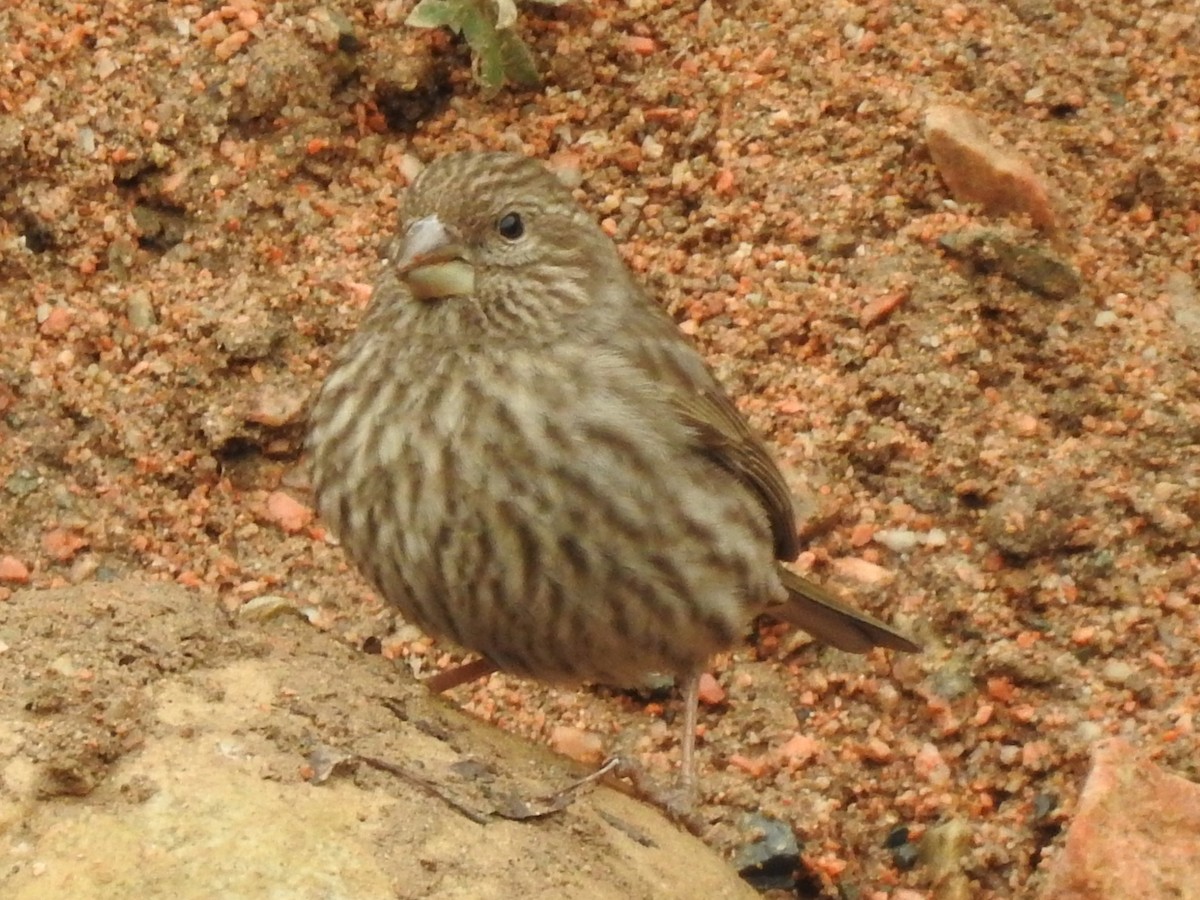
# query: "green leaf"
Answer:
x=499 y=53
x=517 y=60
x=479 y=29
x=436 y=14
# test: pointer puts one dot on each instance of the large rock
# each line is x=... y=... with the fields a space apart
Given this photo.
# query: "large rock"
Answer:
x=159 y=751
x=1136 y=834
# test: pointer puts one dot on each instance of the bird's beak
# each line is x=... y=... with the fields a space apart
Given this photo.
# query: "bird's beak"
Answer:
x=432 y=261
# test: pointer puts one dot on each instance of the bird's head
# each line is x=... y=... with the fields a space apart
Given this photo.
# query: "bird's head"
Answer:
x=499 y=236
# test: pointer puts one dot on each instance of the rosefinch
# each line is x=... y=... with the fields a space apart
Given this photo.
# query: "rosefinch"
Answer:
x=522 y=453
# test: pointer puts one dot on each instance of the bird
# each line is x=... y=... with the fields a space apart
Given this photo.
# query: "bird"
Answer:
x=523 y=454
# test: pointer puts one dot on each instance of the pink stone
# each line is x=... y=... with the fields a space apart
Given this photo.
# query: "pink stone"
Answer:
x=582 y=746
x=289 y=514
x=13 y=570
x=710 y=691
x=1136 y=833
x=976 y=171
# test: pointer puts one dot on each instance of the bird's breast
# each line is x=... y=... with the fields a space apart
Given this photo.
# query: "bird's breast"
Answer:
x=517 y=501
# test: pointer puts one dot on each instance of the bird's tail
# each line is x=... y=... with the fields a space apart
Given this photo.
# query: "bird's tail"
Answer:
x=831 y=621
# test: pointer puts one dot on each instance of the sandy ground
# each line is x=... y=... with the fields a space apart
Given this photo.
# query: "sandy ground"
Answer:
x=190 y=205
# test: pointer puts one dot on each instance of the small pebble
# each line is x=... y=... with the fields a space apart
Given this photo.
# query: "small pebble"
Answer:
x=289 y=514
x=770 y=860
x=710 y=691
x=13 y=570
x=898 y=540
x=1117 y=672
x=580 y=745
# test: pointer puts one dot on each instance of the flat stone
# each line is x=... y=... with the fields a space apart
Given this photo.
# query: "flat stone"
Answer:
x=1136 y=833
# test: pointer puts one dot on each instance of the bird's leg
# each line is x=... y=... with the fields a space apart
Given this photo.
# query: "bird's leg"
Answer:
x=687 y=747
x=452 y=678
x=678 y=804
x=681 y=801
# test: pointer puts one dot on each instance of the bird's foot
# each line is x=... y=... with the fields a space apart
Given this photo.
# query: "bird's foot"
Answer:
x=626 y=775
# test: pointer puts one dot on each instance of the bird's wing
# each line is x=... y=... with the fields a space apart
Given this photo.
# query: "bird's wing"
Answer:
x=829 y=620
x=720 y=432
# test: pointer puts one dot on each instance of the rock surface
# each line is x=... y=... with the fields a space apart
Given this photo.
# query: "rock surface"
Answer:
x=1136 y=833
x=189 y=740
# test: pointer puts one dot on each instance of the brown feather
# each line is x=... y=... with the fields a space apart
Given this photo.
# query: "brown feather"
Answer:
x=720 y=432
x=723 y=436
x=831 y=621
x=726 y=439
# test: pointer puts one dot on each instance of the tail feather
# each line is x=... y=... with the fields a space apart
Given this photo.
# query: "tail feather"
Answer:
x=831 y=621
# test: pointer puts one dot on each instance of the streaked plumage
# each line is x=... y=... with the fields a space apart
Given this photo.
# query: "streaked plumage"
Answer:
x=523 y=454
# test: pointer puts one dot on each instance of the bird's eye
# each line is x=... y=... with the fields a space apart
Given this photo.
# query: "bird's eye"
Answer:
x=510 y=226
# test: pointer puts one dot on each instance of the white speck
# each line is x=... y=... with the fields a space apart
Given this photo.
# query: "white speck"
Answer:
x=935 y=538
x=898 y=540
x=105 y=65
x=651 y=148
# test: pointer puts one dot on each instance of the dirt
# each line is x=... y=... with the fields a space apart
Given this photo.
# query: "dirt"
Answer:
x=191 y=201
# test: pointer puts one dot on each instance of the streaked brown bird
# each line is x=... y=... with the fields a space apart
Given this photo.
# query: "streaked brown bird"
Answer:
x=523 y=454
